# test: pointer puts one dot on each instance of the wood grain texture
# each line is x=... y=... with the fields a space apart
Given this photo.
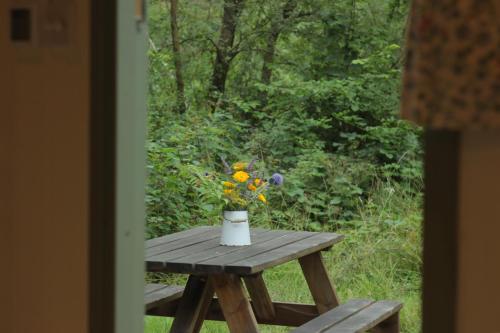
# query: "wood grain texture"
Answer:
x=187 y=263
x=208 y=261
x=175 y=236
x=201 y=249
x=204 y=304
x=181 y=243
x=282 y=254
x=287 y=314
x=333 y=317
x=321 y=288
x=193 y=305
x=277 y=240
x=198 y=253
x=261 y=301
x=234 y=303
x=356 y=316
x=157 y=294
x=367 y=318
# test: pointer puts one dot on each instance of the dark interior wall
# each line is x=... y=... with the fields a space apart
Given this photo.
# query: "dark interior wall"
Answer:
x=44 y=168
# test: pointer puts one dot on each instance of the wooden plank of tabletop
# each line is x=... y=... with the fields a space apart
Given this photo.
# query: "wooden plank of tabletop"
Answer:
x=175 y=236
x=184 y=242
x=228 y=260
x=214 y=261
x=279 y=255
x=204 y=247
x=187 y=264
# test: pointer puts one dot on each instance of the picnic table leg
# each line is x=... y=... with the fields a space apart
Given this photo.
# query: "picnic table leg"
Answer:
x=193 y=305
x=262 y=303
x=390 y=325
x=234 y=303
x=321 y=288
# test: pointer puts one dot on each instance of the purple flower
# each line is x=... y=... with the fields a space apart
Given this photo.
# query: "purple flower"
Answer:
x=276 y=179
x=251 y=164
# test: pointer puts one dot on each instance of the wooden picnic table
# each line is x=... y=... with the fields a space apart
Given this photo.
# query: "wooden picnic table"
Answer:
x=222 y=270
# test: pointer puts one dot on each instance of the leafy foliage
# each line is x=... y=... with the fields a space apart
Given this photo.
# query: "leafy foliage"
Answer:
x=329 y=120
x=325 y=115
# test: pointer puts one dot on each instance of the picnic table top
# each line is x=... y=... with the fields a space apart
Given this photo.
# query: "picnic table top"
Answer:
x=197 y=251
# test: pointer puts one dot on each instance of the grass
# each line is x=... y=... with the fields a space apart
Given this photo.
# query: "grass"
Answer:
x=380 y=258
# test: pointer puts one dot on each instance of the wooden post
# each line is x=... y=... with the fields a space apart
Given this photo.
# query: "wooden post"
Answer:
x=193 y=306
x=440 y=230
x=461 y=229
x=316 y=275
x=478 y=231
x=235 y=306
x=72 y=133
x=262 y=303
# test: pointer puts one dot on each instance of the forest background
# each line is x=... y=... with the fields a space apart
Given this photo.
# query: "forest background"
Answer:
x=311 y=88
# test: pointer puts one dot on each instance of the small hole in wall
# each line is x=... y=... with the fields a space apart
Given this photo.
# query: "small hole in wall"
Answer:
x=20 y=25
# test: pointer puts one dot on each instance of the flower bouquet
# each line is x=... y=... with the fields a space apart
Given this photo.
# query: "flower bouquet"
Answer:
x=243 y=186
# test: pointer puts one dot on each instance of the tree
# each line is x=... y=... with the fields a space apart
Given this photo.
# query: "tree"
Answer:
x=176 y=48
x=225 y=49
x=277 y=24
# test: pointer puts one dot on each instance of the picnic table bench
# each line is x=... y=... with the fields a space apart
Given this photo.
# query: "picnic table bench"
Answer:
x=223 y=270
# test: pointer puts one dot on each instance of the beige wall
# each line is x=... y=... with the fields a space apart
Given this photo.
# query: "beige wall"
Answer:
x=44 y=137
x=479 y=234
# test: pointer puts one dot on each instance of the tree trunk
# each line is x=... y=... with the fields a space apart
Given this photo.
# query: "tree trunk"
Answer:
x=349 y=53
x=176 y=47
x=225 y=49
x=274 y=33
x=268 y=57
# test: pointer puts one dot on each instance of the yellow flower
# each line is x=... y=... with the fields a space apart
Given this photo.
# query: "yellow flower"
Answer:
x=228 y=191
x=241 y=176
x=252 y=187
x=229 y=185
x=262 y=198
x=238 y=166
x=258 y=181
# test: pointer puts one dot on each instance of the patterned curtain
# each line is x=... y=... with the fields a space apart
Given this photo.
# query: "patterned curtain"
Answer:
x=452 y=73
